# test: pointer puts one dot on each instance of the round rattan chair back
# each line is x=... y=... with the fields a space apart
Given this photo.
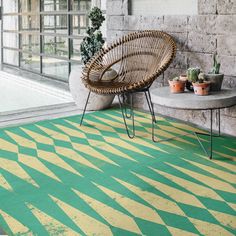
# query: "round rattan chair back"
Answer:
x=138 y=58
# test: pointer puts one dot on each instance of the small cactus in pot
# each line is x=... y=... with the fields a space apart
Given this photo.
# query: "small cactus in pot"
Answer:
x=201 y=85
x=177 y=85
x=192 y=76
x=215 y=76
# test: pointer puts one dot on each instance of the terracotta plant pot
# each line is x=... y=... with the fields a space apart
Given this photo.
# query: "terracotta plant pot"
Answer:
x=202 y=89
x=177 y=86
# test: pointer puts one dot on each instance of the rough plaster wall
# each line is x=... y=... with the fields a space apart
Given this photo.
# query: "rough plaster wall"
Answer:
x=197 y=37
x=160 y=7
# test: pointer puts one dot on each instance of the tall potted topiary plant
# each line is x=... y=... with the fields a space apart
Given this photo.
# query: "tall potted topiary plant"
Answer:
x=93 y=41
x=215 y=76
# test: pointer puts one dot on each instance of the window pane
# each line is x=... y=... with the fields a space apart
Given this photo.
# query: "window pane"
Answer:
x=55 y=46
x=10 y=40
x=30 y=43
x=30 y=22
x=54 y=5
x=29 y=5
x=30 y=62
x=76 y=65
x=10 y=57
x=10 y=22
x=75 y=51
x=81 y=5
x=55 y=24
x=56 y=68
x=80 y=24
x=10 y=6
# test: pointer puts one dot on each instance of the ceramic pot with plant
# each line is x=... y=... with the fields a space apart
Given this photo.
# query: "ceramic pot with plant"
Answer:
x=201 y=86
x=91 y=44
x=177 y=85
x=192 y=77
x=215 y=76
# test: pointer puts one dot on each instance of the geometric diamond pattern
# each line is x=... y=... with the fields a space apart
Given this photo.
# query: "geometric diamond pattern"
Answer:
x=57 y=178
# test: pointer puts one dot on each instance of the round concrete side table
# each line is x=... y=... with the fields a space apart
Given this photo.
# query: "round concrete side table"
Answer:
x=189 y=101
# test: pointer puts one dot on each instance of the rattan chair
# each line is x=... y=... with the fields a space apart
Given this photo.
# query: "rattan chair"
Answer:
x=138 y=58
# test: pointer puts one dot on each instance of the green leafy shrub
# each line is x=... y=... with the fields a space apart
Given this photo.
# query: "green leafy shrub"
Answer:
x=93 y=41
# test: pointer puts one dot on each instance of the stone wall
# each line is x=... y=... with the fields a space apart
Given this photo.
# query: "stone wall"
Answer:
x=197 y=37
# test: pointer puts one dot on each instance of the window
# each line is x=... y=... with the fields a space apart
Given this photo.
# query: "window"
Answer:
x=44 y=36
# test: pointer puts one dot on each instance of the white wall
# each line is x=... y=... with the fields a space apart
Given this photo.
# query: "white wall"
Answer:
x=102 y=5
x=0 y=40
x=164 y=7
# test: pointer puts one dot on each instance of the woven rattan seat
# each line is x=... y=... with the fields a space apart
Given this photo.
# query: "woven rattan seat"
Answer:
x=105 y=87
x=138 y=59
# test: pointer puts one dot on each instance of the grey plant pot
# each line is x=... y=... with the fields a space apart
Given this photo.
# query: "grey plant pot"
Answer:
x=80 y=93
x=216 y=81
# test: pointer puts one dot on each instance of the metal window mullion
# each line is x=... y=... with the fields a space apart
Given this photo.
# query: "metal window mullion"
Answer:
x=37 y=54
x=62 y=12
x=19 y=37
x=69 y=25
x=30 y=24
x=63 y=35
x=55 y=26
x=2 y=31
x=60 y=79
x=40 y=37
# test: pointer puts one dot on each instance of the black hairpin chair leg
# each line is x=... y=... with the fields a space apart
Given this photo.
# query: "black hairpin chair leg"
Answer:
x=124 y=115
x=85 y=106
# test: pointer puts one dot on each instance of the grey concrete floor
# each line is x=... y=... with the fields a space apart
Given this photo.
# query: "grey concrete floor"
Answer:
x=26 y=98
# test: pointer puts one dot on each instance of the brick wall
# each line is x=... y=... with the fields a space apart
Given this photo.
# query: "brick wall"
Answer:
x=197 y=37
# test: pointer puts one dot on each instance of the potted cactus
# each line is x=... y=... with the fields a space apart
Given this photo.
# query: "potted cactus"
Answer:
x=215 y=76
x=201 y=86
x=192 y=77
x=177 y=85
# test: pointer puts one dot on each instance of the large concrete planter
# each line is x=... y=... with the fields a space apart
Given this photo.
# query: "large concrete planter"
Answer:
x=80 y=93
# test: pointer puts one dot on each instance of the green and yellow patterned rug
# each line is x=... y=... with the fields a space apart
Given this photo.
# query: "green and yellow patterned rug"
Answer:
x=57 y=178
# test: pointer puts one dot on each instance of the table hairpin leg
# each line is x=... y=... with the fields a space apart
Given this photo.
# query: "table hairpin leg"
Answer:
x=210 y=134
x=165 y=139
x=154 y=120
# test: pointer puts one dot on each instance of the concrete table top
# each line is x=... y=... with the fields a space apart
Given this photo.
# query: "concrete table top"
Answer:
x=189 y=101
